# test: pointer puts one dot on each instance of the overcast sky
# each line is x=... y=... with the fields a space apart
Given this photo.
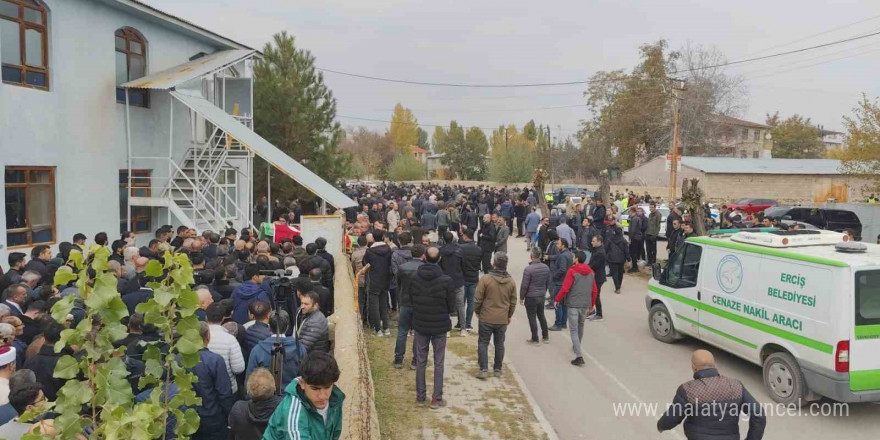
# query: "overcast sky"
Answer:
x=513 y=41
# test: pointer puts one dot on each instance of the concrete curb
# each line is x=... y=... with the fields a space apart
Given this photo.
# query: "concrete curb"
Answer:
x=545 y=424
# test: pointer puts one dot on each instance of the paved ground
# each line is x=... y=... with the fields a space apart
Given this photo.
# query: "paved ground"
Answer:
x=626 y=365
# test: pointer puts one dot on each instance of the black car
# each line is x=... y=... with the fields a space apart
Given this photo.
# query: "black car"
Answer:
x=828 y=219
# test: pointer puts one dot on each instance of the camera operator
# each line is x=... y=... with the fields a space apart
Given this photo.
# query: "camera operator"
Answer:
x=255 y=288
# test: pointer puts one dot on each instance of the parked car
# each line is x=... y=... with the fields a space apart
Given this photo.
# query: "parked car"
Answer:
x=664 y=212
x=560 y=207
x=829 y=219
x=752 y=205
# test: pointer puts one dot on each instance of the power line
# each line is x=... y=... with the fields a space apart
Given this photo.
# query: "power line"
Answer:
x=581 y=82
x=384 y=121
x=807 y=37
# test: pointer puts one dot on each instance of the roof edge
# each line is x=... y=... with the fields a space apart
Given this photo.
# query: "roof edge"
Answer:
x=187 y=25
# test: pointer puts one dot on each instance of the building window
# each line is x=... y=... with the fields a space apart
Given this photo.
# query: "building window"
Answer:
x=23 y=43
x=131 y=64
x=141 y=216
x=30 y=205
x=745 y=134
x=757 y=135
x=743 y=154
x=226 y=193
x=756 y=154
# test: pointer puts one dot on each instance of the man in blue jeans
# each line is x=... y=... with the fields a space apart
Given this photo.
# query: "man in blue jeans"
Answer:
x=473 y=256
x=404 y=278
x=558 y=269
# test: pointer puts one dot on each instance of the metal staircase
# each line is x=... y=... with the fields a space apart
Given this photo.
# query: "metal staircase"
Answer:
x=199 y=184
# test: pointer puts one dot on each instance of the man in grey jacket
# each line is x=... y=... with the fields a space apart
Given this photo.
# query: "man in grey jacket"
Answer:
x=501 y=236
x=404 y=278
x=536 y=278
x=312 y=330
x=579 y=296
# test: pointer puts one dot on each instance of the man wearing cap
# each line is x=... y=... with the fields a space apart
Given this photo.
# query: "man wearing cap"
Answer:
x=7 y=367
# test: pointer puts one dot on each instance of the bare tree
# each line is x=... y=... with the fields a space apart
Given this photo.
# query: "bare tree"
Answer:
x=374 y=150
x=710 y=92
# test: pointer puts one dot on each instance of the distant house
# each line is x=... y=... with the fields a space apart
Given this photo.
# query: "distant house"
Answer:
x=732 y=137
x=728 y=178
x=420 y=153
x=832 y=139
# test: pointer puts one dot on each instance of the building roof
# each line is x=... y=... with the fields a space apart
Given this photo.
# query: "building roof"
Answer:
x=727 y=120
x=417 y=149
x=151 y=13
x=181 y=73
x=733 y=165
x=265 y=150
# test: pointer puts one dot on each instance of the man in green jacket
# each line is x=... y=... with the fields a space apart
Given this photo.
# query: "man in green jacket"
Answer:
x=654 y=220
x=312 y=405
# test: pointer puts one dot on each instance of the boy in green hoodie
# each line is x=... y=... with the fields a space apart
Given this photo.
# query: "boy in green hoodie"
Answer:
x=312 y=405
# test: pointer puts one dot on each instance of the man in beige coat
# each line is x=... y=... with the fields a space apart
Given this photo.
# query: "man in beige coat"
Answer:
x=494 y=304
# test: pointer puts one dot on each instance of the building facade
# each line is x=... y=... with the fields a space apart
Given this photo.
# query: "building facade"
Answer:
x=732 y=137
x=115 y=116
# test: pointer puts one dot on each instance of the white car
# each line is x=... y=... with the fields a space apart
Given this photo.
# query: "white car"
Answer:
x=560 y=208
x=664 y=213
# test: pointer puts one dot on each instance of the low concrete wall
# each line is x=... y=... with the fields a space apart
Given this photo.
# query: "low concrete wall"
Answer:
x=359 y=418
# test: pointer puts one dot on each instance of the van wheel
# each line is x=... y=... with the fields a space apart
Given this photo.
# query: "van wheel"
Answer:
x=661 y=324
x=784 y=379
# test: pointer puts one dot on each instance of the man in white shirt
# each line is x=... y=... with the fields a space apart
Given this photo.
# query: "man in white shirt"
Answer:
x=7 y=367
x=224 y=344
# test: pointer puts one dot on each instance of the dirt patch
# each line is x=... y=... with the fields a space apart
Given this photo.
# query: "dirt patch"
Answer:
x=495 y=408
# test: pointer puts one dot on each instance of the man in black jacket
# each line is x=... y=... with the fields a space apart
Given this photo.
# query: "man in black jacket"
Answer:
x=711 y=405
x=452 y=263
x=40 y=257
x=487 y=241
x=378 y=256
x=473 y=257
x=433 y=300
x=316 y=261
x=597 y=263
x=43 y=363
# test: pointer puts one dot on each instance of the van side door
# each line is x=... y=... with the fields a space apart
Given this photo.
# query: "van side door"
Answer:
x=864 y=355
x=679 y=283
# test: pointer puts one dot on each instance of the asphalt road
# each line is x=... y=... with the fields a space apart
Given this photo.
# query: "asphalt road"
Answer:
x=625 y=364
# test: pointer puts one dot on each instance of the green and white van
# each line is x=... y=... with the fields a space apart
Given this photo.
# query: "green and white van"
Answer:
x=804 y=305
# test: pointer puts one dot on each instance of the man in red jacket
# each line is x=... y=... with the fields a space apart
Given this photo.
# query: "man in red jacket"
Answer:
x=579 y=293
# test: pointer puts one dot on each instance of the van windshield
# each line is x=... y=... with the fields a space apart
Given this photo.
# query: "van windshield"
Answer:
x=868 y=297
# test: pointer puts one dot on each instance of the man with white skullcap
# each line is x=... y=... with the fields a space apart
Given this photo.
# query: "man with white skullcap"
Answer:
x=7 y=367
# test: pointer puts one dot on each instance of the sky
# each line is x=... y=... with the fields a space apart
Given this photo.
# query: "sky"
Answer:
x=515 y=42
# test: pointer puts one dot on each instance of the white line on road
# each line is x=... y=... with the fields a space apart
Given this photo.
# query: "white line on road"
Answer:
x=620 y=384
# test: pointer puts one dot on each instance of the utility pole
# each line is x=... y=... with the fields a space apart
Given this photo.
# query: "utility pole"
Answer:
x=677 y=88
x=505 y=140
x=550 y=153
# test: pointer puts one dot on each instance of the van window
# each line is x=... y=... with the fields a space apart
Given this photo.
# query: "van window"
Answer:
x=683 y=267
x=868 y=297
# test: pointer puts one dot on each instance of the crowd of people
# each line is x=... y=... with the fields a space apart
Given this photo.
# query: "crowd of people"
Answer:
x=245 y=311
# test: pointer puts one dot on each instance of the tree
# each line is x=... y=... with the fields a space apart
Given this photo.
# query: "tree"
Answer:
x=404 y=131
x=97 y=397
x=862 y=153
x=423 y=139
x=465 y=155
x=371 y=149
x=295 y=111
x=632 y=109
x=795 y=138
x=405 y=167
x=530 y=131
x=513 y=158
x=709 y=92
x=438 y=140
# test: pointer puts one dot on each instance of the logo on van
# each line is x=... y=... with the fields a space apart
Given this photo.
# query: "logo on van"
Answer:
x=730 y=274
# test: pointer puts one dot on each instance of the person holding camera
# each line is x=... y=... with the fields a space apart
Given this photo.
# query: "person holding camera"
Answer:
x=255 y=288
x=293 y=350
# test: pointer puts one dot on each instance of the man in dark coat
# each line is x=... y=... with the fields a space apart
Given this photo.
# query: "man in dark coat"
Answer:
x=433 y=300
x=452 y=263
x=43 y=363
x=378 y=256
x=316 y=261
x=473 y=257
x=597 y=263
x=488 y=233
